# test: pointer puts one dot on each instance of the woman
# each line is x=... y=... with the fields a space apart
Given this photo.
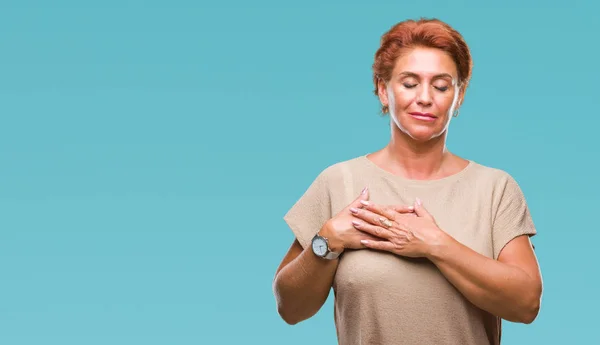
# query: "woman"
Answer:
x=436 y=248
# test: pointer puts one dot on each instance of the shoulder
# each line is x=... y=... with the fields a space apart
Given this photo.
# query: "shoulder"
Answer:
x=494 y=175
x=339 y=170
x=497 y=181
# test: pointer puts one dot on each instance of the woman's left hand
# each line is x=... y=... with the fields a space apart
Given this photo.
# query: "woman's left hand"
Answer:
x=412 y=235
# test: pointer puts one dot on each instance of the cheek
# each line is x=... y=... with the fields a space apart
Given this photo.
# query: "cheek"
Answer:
x=444 y=102
x=402 y=99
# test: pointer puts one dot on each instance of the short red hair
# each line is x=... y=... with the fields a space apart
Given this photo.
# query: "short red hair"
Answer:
x=430 y=33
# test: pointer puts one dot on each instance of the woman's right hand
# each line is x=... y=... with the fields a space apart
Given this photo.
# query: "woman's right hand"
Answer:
x=341 y=233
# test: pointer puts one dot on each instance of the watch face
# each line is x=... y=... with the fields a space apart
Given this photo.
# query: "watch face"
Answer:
x=319 y=246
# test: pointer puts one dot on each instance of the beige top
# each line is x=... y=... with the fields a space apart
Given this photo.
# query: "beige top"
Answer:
x=382 y=298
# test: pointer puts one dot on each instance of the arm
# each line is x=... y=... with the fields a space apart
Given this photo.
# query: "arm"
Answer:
x=510 y=287
x=302 y=283
x=303 y=280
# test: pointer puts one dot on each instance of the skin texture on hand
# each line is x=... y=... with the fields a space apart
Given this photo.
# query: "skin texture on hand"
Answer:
x=404 y=235
x=340 y=230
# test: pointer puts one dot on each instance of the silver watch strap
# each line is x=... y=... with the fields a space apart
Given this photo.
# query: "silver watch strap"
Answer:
x=331 y=255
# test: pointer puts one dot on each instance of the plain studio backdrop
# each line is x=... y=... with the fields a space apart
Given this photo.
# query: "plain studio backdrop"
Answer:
x=149 y=150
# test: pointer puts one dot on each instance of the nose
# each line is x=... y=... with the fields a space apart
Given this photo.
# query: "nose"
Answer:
x=424 y=96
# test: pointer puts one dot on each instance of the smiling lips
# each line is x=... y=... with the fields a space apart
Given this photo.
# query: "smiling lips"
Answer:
x=423 y=116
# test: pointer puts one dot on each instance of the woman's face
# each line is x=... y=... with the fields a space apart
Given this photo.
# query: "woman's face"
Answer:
x=422 y=93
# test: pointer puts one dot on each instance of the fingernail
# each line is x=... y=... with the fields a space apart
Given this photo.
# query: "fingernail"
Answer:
x=356 y=222
x=411 y=207
x=364 y=202
x=364 y=191
x=353 y=210
x=364 y=241
x=419 y=202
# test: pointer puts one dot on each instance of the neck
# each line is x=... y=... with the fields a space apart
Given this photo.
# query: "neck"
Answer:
x=416 y=160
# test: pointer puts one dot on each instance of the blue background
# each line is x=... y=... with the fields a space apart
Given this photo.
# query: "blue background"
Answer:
x=149 y=150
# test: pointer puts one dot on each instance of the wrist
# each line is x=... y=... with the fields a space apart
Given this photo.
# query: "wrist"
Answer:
x=439 y=248
x=334 y=243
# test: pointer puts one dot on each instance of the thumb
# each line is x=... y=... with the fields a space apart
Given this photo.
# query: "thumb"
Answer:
x=420 y=210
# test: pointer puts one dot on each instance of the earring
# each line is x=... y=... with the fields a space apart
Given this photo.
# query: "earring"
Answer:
x=455 y=113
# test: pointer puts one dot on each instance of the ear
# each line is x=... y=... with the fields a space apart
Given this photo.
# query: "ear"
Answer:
x=382 y=92
x=460 y=98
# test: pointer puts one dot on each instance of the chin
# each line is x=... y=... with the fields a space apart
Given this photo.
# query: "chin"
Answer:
x=420 y=133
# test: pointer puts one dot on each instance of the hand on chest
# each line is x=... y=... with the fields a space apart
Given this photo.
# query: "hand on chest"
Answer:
x=466 y=219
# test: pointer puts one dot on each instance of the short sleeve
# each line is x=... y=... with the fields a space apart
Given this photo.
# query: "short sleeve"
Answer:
x=512 y=218
x=306 y=217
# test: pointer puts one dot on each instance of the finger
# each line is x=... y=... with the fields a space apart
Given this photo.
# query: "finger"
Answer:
x=371 y=217
x=382 y=210
x=420 y=210
x=373 y=230
x=364 y=195
x=379 y=245
x=403 y=208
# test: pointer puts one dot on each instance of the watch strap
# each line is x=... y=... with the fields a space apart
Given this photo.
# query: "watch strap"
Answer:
x=331 y=255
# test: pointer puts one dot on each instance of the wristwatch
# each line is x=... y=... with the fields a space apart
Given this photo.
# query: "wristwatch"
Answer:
x=320 y=247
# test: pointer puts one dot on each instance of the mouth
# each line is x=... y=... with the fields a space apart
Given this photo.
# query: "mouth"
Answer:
x=423 y=116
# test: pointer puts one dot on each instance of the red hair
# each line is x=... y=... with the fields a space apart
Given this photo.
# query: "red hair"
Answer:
x=429 y=33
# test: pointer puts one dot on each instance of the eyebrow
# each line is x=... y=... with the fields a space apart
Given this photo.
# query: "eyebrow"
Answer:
x=412 y=74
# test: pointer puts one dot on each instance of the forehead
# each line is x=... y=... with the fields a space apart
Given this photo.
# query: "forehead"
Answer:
x=425 y=62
